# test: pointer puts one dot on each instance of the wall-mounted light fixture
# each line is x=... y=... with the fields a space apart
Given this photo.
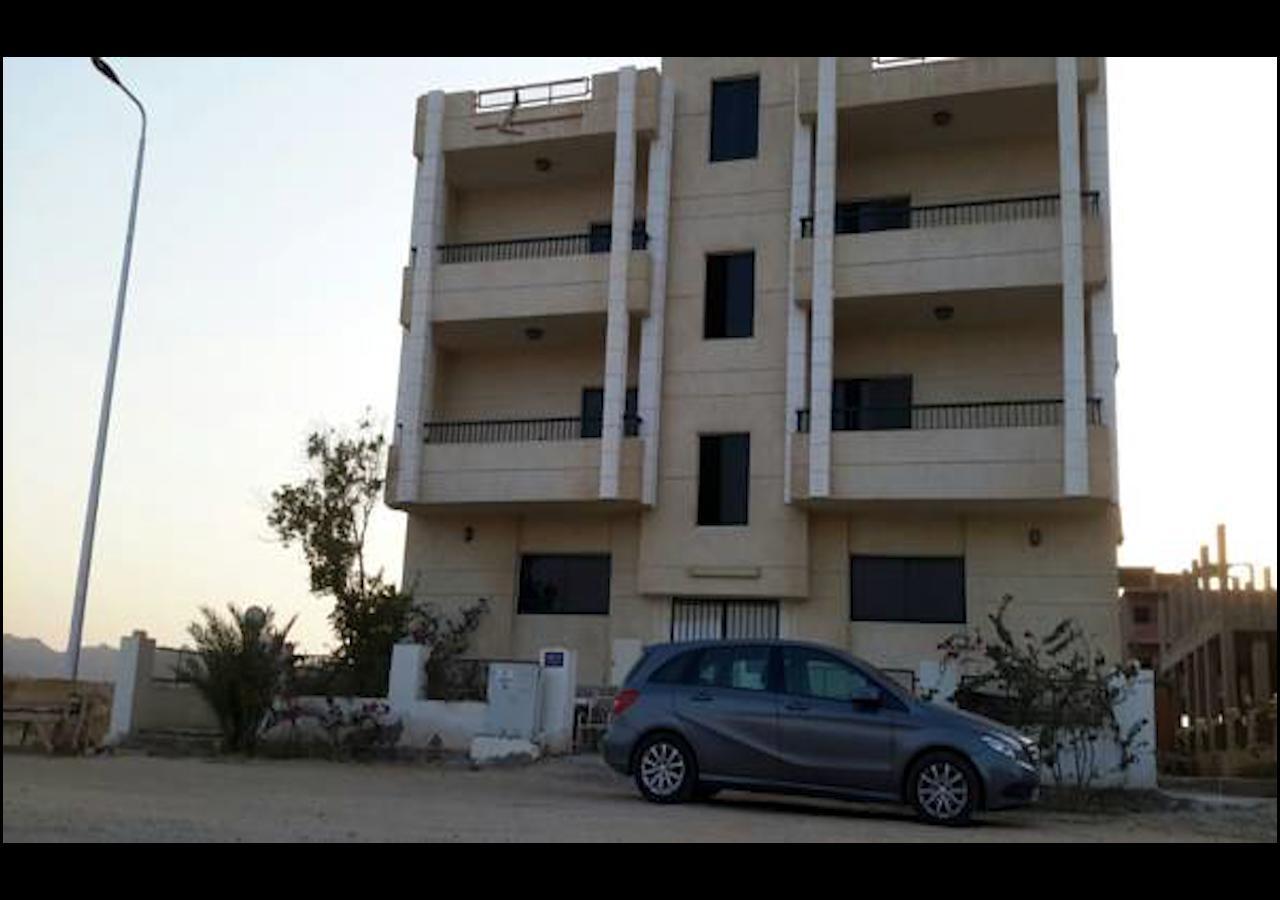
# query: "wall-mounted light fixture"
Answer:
x=542 y=164
x=942 y=118
x=468 y=534
x=943 y=313
x=1034 y=537
x=533 y=333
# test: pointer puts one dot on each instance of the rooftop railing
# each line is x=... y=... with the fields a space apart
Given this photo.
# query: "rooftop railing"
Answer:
x=543 y=93
x=856 y=218
x=512 y=431
x=936 y=416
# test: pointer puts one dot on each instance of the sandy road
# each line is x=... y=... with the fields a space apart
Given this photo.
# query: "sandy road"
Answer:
x=138 y=798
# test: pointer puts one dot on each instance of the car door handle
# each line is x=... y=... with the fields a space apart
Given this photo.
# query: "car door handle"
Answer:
x=702 y=697
x=796 y=707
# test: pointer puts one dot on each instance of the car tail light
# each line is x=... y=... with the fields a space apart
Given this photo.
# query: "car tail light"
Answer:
x=622 y=702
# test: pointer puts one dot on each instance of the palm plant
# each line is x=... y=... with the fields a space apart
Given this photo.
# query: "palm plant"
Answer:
x=243 y=664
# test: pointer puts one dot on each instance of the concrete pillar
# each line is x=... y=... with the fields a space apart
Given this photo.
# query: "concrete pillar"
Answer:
x=618 y=327
x=559 y=688
x=417 y=352
x=822 y=316
x=1102 y=337
x=408 y=682
x=133 y=675
x=797 y=319
x=652 y=329
x=1075 y=433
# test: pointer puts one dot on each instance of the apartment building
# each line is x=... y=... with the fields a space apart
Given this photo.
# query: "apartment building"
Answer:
x=816 y=347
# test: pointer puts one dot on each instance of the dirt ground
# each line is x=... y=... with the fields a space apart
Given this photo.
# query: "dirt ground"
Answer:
x=139 y=798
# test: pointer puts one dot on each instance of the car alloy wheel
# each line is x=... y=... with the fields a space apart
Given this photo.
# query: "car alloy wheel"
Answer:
x=942 y=790
x=663 y=769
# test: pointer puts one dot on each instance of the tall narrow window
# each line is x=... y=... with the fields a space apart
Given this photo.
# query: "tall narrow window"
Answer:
x=871 y=404
x=592 y=423
x=724 y=478
x=730 y=295
x=735 y=118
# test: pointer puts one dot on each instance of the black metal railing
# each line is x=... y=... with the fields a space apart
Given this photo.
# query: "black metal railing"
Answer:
x=512 y=431
x=939 y=416
x=942 y=215
x=536 y=247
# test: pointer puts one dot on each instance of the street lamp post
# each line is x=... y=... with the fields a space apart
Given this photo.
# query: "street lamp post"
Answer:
x=104 y=416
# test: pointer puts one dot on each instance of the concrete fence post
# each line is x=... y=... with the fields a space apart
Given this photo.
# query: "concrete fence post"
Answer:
x=408 y=682
x=559 y=690
x=133 y=672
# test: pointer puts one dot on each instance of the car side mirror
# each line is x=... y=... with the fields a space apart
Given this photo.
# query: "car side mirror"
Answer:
x=866 y=695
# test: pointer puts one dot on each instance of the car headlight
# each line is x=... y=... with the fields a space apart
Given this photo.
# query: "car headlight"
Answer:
x=1002 y=745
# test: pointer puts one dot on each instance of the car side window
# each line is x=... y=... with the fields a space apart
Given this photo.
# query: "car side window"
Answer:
x=674 y=670
x=742 y=668
x=811 y=673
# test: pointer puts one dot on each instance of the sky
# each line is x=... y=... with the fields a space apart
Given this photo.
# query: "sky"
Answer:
x=264 y=295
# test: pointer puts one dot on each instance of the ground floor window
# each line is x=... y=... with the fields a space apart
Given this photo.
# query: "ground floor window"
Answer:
x=575 y=584
x=907 y=589
x=701 y=620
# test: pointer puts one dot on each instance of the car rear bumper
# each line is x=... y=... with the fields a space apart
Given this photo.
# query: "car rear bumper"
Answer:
x=616 y=748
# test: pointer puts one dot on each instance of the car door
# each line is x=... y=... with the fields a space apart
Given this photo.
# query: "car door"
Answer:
x=826 y=738
x=728 y=711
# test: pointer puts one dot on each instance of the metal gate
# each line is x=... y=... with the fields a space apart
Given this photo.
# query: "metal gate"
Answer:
x=716 y=620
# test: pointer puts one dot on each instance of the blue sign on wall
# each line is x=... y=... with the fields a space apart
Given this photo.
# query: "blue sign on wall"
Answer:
x=553 y=660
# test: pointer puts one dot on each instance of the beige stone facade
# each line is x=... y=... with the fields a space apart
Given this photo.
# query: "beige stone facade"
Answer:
x=520 y=304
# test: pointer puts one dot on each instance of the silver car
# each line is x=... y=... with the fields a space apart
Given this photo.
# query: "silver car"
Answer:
x=798 y=718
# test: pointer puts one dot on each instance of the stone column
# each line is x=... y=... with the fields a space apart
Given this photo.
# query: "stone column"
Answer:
x=652 y=329
x=1260 y=665
x=1075 y=434
x=133 y=676
x=618 y=327
x=822 y=317
x=797 y=319
x=417 y=353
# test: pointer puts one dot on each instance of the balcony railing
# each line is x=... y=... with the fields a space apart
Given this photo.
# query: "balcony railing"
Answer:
x=512 y=431
x=935 y=416
x=599 y=241
x=886 y=217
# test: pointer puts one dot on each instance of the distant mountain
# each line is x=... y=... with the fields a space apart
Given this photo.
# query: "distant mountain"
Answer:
x=30 y=658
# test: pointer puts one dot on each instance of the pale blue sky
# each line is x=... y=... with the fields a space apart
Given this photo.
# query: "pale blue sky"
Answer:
x=272 y=229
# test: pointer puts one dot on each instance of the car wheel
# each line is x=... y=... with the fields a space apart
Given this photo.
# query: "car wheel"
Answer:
x=665 y=769
x=944 y=789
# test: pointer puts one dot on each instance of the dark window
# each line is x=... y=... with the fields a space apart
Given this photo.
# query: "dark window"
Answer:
x=871 y=404
x=1142 y=614
x=735 y=119
x=907 y=589
x=564 y=584
x=724 y=478
x=880 y=214
x=592 y=423
x=743 y=668
x=730 y=295
x=812 y=673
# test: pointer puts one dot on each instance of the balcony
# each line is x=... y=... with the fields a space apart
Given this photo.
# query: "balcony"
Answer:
x=493 y=462
x=552 y=275
x=1004 y=450
x=886 y=249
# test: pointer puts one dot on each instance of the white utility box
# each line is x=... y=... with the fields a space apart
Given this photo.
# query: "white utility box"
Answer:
x=514 y=707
